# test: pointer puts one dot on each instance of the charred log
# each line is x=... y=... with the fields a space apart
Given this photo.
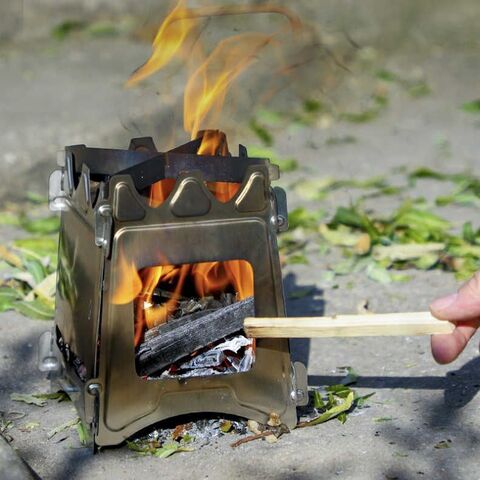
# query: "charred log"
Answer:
x=180 y=337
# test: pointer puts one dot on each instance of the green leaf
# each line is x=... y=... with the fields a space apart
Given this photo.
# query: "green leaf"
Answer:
x=382 y=419
x=269 y=116
x=301 y=217
x=400 y=277
x=468 y=233
x=346 y=266
x=285 y=164
x=419 y=89
x=426 y=262
x=261 y=132
x=63 y=426
x=103 y=28
x=136 y=447
x=36 y=269
x=60 y=396
x=342 y=418
x=353 y=217
x=472 y=107
x=45 y=290
x=333 y=411
x=442 y=444
x=318 y=401
x=412 y=224
x=41 y=225
x=343 y=140
x=342 y=235
x=312 y=106
x=64 y=29
x=36 y=198
x=226 y=426
x=8 y=296
x=34 y=309
x=351 y=376
x=378 y=273
x=425 y=172
x=28 y=398
x=459 y=199
x=360 y=117
x=340 y=390
x=169 y=449
x=31 y=426
x=83 y=434
x=360 y=401
x=406 y=251
x=386 y=75
x=41 y=245
x=297 y=259
x=8 y=218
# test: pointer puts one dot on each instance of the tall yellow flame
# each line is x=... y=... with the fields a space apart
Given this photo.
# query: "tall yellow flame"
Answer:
x=206 y=88
x=168 y=42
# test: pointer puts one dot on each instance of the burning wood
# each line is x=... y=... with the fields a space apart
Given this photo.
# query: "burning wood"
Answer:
x=172 y=341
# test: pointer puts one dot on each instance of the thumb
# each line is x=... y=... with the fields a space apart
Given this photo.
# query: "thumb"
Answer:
x=461 y=306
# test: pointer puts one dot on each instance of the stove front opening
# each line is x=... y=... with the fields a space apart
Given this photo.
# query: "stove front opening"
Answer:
x=189 y=318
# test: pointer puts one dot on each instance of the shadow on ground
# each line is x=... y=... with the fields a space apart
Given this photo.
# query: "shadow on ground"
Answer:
x=299 y=305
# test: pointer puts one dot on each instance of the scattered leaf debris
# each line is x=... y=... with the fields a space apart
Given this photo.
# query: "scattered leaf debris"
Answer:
x=443 y=444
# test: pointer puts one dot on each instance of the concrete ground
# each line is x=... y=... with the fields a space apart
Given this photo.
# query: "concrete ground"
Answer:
x=421 y=403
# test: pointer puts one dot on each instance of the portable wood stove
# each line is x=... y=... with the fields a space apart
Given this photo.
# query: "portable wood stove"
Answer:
x=107 y=223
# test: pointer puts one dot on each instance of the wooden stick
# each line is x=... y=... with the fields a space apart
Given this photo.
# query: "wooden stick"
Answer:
x=365 y=325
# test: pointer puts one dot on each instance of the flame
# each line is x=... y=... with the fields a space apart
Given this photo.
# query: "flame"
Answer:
x=207 y=87
x=168 y=42
x=128 y=283
x=158 y=314
x=215 y=277
x=240 y=274
x=181 y=23
x=205 y=92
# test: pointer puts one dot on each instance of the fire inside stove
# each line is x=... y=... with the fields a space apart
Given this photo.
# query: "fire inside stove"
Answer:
x=194 y=303
x=188 y=320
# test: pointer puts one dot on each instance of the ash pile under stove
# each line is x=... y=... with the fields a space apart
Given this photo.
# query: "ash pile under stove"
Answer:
x=161 y=257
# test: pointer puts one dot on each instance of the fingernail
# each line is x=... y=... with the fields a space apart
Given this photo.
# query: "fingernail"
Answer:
x=444 y=302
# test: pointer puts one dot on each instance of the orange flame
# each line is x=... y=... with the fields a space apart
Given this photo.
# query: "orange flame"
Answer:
x=128 y=283
x=168 y=42
x=158 y=314
x=215 y=277
x=204 y=95
x=207 y=87
x=180 y=23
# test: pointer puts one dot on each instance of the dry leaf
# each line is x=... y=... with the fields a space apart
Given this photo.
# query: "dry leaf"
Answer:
x=362 y=247
x=271 y=438
x=253 y=426
x=274 y=420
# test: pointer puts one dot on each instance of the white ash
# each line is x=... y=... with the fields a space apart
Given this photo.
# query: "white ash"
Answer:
x=202 y=432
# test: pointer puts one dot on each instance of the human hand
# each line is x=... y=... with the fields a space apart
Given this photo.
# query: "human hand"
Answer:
x=462 y=308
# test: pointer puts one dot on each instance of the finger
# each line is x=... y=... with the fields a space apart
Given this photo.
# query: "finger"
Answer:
x=463 y=305
x=447 y=347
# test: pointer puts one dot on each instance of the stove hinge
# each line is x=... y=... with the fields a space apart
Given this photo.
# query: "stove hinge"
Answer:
x=103 y=227
x=93 y=390
x=280 y=217
x=299 y=392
